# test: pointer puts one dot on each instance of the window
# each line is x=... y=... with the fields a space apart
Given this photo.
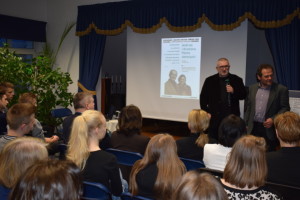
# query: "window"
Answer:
x=23 y=48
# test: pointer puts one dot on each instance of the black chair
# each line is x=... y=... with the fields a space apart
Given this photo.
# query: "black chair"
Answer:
x=287 y=191
x=129 y=196
x=95 y=191
x=126 y=158
x=192 y=164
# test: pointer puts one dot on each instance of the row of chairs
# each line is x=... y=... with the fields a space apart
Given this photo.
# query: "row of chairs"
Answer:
x=97 y=191
x=128 y=158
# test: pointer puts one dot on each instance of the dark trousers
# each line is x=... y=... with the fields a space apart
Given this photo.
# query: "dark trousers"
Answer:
x=260 y=131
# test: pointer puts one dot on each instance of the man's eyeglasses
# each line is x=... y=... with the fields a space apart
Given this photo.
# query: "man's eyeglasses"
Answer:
x=224 y=67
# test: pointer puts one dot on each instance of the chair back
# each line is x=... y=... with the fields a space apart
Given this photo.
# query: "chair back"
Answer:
x=192 y=164
x=127 y=158
x=4 y=192
x=95 y=191
x=288 y=192
x=61 y=112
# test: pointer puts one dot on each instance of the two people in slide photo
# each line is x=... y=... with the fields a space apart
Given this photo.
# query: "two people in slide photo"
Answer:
x=174 y=88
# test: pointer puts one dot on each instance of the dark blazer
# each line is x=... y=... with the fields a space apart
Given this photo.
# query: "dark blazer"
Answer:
x=278 y=102
x=67 y=126
x=210 y=97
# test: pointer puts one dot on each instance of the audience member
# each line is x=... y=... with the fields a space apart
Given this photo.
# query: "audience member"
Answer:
x=128 y=135
x=216 y=155
x=192 y=147
x=9 y=90
x=284 y=164
x=20 y=119
x=265 y=100
x=49 y=180
x=246 y=170
x=82 y=101
x=16 y=157
x=37 y=130
x=83 y=149
x=199 y=186
x=220 y=95
x=3 y=108
x=158 y=173
x=182 y=87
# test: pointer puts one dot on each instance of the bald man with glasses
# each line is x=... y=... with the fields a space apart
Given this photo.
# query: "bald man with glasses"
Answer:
x=220 y=95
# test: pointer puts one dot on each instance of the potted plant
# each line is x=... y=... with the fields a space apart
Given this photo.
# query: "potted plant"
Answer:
x=37 y=76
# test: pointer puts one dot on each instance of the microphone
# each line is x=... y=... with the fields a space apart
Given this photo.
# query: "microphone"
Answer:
x=228 y=94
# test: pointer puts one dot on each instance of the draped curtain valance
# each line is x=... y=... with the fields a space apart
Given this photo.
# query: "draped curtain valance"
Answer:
x=146 y=16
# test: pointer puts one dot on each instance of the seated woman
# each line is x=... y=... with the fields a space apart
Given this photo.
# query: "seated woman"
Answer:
x=246 y=171
x=192 y=147
x=196 y=186
x=158 y=173
x=83 y=149
x=128 y=135
x=231 y=129
x=16 y=156
x=49 y=180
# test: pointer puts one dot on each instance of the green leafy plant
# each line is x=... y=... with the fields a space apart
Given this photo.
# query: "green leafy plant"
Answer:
x=38 y=77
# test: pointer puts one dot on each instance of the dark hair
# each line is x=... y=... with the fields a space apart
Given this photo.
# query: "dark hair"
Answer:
x=231 y=129
x=130 y=120
x=7 y=85
x=2 y=90
x=49 y=180
x=263 y=66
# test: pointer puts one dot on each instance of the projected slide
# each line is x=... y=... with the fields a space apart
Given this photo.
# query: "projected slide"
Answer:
x=180 y=67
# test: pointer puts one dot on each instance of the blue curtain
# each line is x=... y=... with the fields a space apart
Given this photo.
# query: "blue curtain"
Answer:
x=284 y=43
x=90 y=59
x=147 y=16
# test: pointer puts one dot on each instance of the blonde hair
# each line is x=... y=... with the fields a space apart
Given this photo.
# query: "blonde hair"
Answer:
x=18 y=155
x=78 y=146
x=199 y=186
x=198 y=121
x=161 y=150
x=288 y=127
x=247 y=164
